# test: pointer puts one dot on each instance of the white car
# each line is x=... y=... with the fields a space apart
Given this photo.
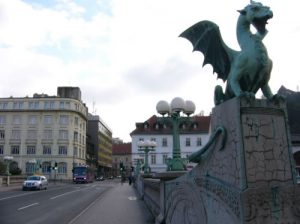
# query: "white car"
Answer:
x=35 y=183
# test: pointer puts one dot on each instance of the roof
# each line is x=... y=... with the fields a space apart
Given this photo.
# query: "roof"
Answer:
x=293 y=108
x=157 y=125
x=121 y=149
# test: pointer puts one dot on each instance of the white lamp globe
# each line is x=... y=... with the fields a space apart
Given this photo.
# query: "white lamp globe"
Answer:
x=141 y=144
x=189 y=107
x=177 y=104
x=163 y=107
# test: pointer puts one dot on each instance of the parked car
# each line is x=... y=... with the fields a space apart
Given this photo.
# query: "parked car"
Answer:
x=101 y=178
x=35 y=183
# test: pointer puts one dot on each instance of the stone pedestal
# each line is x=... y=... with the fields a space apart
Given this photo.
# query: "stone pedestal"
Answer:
x=250 y=180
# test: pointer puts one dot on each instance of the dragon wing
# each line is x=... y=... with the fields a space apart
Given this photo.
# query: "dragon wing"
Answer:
x=206 y=37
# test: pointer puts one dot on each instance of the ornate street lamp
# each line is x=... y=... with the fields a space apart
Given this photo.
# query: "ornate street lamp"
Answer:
x=146 y=147
x=8 y=159
x=173 y=114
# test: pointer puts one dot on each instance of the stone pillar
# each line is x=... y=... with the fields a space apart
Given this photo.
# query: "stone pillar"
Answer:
x=249 y=180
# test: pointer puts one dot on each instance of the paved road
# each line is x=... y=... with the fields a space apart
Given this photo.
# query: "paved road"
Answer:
x=58 y=204
x=106 y=202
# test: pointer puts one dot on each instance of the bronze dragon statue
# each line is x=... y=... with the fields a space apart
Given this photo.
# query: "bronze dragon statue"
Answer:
x=245 y=71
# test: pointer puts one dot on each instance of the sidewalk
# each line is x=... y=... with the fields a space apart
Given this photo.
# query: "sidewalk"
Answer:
x=120 y=204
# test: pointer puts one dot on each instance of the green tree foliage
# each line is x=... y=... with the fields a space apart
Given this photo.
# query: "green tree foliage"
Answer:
x=2 y=167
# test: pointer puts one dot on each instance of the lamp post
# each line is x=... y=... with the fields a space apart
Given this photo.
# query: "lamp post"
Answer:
x=8 y=159
x=174 y=116
x=146 y=147
x=137 y=168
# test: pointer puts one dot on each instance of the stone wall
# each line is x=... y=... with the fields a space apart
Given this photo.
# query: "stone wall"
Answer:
x=250 y=180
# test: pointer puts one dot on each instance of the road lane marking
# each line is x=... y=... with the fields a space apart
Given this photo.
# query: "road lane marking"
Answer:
x=132 y=198
x=27 y=206
x=15 y=196
x=60 y=195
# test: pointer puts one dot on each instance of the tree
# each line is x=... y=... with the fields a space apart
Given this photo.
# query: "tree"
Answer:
x=2 y=167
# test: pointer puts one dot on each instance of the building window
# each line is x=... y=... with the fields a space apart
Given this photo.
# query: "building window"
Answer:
x=153 y=139
x=49 y=105
x=47 y=134
x=164 y=142
x=67 y=105
x=1 y=149
x=153 y=159
x=16 y=119
x=75 y=152
x=64 y=119
x=2 y=119
x=141 y=139
x=62 y=168
x=30 y=149
x=75 y=136
x=188 y=142
x=15 y=149
x=31 y=105
x=18 y=105
x=3 y=105
x=48 y=119
x=199 y=141
x=76 y=121
x=61 y=105
x=62 y=150
x=46 y=149
x=32 y=119
x=165 y=158
x=30 y=168
x=32 y=134
x=2 y=134
x=16 y=134
x=63 y=134
x=46 y=167
x=36 y=105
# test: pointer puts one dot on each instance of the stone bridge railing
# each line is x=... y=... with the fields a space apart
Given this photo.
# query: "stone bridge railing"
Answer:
x=250 y=179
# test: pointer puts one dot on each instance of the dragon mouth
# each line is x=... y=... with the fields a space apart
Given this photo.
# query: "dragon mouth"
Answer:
x=260 y=23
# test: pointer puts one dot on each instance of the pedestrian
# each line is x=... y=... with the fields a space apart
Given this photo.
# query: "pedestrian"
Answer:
x=129 y=180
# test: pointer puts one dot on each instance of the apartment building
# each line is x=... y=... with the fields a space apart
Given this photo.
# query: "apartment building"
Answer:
x=100 y=145
x=193 y=135
x=121 y=154
x=45 y=134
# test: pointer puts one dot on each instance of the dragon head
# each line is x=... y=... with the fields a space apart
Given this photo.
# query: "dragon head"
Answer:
x=258 y=15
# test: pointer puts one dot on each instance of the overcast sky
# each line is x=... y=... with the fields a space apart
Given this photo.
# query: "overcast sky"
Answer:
x=125 y=55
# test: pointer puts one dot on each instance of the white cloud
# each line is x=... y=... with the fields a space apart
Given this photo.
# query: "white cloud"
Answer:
x=126 y=55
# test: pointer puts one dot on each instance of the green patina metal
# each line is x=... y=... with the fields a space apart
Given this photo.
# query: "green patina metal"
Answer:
x=245 y=71
x=146 y=150
x=176 y=163
x=138 y=168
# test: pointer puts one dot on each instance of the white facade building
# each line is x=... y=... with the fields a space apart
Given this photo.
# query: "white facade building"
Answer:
x=43 y=132
x=193 y=136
